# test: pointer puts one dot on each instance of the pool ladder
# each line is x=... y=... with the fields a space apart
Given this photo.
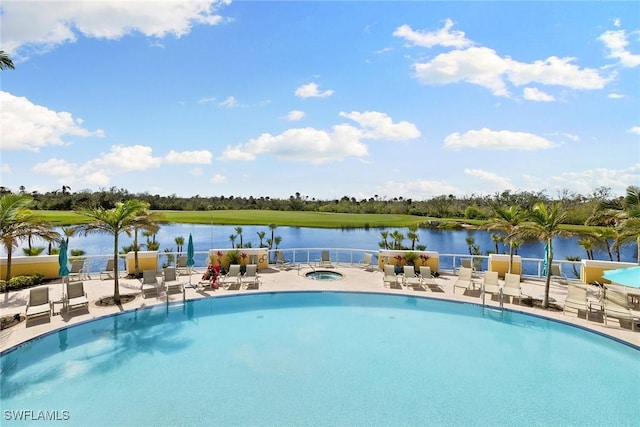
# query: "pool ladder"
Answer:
x=491 y=309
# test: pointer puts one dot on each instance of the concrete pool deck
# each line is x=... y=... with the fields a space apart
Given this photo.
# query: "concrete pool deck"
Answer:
x=273 y=280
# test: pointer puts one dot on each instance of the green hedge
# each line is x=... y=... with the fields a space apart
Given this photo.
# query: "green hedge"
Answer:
x=21 y=282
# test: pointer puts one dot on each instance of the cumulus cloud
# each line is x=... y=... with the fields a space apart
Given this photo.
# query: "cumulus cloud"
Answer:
x=500 y=183
x=635 y=129
x=118 y=160
x=442 y=37
x=230 y=102
x=295 y=115
x=379 y=125
x=617 y=44
x=310 y=90
x=28 y=126
x=319 y=145
x=418 y=189
x=533 y=94
x=584 y=182
x=41 y=26
x=218 y=179
x=496 y=140
x=615 y=96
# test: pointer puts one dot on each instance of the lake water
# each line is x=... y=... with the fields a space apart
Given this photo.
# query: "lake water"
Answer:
x=206 y=237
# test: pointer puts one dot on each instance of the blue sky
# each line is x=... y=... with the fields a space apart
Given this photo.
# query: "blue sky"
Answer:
x=411 y=99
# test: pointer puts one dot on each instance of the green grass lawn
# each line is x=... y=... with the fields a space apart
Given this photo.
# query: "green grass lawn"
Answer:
x=261 y=217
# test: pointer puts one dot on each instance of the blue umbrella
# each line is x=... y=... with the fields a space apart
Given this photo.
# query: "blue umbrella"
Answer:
x=190 y=261
x=546 y=260
x=63 y=270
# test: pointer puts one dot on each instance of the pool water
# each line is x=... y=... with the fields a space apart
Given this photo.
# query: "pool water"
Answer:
x=324 y=358
x=324 y=275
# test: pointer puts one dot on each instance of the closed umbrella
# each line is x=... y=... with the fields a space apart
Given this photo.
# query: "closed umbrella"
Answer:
x=190 y=260
x=63 y=269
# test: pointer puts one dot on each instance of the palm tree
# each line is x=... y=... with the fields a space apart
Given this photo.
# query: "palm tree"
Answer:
x=232 y=238
x=631 y=222
x=239 y=234
x=179 y=243
x=384 y=244
x=5 y=62
x=587 y=242
x=126 y=217
x=261 y=235
x=272 y=227
x=412 y=235
x=397 y=237
x=544 y=224
x=470 y=242
x=17 y=222
x=508 y=221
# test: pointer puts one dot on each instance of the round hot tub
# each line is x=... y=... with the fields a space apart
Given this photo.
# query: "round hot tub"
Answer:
x=324 y=275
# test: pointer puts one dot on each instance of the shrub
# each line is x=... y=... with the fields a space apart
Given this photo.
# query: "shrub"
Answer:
x=20 y=282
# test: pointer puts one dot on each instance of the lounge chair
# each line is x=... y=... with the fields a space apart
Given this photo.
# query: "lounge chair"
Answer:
x=75 y=297
x=577 y=299
x=556 y=274
x=428 y=280
x=39 y=303
x=149 y=283
x=282 y=262
x=108 y=272
x=464 y=280
x=250 y=277
x=181 y=265
x=77 y=270
x=325 y=260
x=389 y=277
x=511 y=286
x=231 y=280
x=616 y=305
x=466 y=263
x=170 y=281
x=410 y=278
x=490 y=283
x=367 y=262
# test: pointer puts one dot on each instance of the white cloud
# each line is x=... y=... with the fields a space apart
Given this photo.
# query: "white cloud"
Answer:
x=496 y=140
x=635 y=129
x=207 y=100
x=319 y=146
x=585 y=181
x=203 y=157
x=442 y=37
x=230 y=102
x=43 y=25
x=380 y=126
x=310 y=90
x=500 y=183
x=417 y=189
x=534 y=94
x=27 y=126
x=218 y=179
x=484 y=67
x=616 y=42
x=5 y=168
x=123 y=158
x=615 y=96
x=295 y=115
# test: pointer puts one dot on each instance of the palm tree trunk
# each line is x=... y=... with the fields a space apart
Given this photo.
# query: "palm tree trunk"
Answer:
x=9 y=253
x=547 y=281
x=116 y=283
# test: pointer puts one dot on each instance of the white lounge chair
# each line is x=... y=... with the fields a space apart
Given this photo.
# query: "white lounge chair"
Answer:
x=250 y=277
x=181 y=265
x=170 y=281
x=367 y=262
x=389 y=277
x=490 y=283
x=511 y=286
x=75 y=297
x=282 y=262
x=577 y=299
x=149 y=283
x=325 y=260
x=108 y=272
x=464 y=280
x=39 y=303
x=616 y=305
x=77 y=270
x=428 y=280
x=231 y=280
x=410 y=278
x=556 y=274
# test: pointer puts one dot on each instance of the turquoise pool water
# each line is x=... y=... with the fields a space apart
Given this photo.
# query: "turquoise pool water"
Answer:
x=324 y=275
x=322 y=358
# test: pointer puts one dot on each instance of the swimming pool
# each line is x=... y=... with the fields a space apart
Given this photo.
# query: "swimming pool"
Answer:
x=324 y=275
x=323 y=358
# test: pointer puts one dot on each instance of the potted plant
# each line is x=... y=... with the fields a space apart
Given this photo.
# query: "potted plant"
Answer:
x=233 y=256
x=410 y=258
x=243 y=262
x=398 y=266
